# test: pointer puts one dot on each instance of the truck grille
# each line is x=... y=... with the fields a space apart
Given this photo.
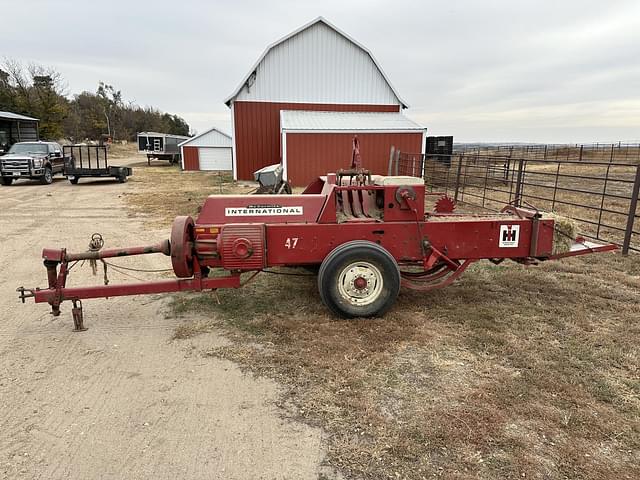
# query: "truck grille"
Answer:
x=21 y=166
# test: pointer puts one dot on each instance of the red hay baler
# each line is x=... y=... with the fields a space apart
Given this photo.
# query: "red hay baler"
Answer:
x=369 y=235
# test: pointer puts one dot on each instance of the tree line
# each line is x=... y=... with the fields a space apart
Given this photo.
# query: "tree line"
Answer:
x=41 y=92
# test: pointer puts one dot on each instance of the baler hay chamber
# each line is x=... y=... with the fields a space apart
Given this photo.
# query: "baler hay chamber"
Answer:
x=368 y=235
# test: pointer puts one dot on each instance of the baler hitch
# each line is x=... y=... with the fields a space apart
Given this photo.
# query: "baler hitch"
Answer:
x=25 y=293
x=181 y=249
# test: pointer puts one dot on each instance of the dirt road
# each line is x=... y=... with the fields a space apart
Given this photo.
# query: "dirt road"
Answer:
x=121 y=400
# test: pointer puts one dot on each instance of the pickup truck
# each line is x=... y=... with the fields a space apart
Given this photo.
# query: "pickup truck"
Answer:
x=34 y=160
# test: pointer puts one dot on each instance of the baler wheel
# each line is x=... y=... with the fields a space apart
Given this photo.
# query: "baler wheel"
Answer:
x=359 y=279
x=182 y=246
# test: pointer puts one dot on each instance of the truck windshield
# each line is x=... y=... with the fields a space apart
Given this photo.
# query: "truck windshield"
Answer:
x=27 y=148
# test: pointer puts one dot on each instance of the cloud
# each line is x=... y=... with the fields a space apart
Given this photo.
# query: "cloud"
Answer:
x=491 y=70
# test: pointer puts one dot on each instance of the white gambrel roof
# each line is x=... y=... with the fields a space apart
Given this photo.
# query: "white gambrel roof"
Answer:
x=211 y=138
x=303 y=120
x=317 y=63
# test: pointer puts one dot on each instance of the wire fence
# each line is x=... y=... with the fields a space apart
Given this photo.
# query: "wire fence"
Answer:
x=595 y=185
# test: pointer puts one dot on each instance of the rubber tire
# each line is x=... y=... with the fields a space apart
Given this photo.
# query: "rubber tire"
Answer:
x=74 y=180
x=6 y=181
x=348 y=253
x=47 y=179
x=122 y=177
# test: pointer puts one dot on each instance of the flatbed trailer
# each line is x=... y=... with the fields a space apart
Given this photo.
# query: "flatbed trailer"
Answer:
x=369 y=235
x=91 y=161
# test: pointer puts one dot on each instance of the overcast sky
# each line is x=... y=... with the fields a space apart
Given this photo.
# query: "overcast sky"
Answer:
x=546 y=71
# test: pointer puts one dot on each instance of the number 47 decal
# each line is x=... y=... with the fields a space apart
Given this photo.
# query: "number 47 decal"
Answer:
x=291 y=242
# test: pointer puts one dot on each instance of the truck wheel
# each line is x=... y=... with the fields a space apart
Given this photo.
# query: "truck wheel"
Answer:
x=122 y=177
x=359 y=279
x=74 y=180
x=6 y=181
x=47 y=178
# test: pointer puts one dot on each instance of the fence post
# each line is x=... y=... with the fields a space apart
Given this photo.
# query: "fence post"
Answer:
x=460 y=157
x=517 y=200
x=391 y=160
x=581 y=148
x=632 y=213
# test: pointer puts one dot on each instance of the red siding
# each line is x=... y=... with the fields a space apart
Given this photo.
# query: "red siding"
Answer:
x=257 y=130
x=191 y=159
x=312 y=154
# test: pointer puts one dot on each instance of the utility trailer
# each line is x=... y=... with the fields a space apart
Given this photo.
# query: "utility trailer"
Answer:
x=91 y=161
x=160 y=146
x=369 y=235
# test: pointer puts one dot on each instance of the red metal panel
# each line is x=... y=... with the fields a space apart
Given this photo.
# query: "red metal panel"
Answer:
x=257 y=130
x=312 y=154
x=242 y=246
x=191 y=160
x=461 y=238
x=221 y=209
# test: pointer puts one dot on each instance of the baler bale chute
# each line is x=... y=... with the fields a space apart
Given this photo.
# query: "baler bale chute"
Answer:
x=369 y=235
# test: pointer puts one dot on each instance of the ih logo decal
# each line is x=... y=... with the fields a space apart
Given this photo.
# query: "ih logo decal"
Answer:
x=509 y=236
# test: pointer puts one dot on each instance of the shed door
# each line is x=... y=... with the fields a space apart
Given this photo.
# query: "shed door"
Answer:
x=215 y=158
x=190 y=158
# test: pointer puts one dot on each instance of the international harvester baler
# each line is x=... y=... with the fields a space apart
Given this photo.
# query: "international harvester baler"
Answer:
x=368 y=235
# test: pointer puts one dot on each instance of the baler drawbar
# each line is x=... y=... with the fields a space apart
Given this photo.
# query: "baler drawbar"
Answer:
x=367 y=234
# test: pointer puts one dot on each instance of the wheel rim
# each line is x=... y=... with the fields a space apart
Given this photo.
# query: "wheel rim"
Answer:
x=360 y=283
x=47 y=175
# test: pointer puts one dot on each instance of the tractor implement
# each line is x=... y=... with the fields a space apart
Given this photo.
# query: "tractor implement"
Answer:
x=368 y=234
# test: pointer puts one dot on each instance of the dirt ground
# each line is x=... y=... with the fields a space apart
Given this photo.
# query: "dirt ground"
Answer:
x=123 y=399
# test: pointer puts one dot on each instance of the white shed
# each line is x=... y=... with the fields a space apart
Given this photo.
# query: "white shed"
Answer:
x=211 y=150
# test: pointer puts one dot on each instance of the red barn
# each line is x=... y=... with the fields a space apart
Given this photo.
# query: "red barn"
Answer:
x=315 y=68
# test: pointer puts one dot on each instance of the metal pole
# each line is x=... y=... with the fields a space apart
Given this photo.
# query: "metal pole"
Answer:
x=632 y=213
x=460 y=157
x=604 y=194
x=555 y=188
x=518 y=199
x=391 y=160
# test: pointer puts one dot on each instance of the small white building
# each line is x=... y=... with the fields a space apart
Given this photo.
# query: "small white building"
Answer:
x=211 y=150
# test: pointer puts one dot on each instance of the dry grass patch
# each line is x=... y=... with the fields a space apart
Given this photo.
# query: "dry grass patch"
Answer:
x=512 y=371
x=162 y=191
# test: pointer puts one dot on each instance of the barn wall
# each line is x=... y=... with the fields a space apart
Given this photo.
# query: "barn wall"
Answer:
x=257 y=130
x=190 y=158
x=312 y=154
x=28 y=131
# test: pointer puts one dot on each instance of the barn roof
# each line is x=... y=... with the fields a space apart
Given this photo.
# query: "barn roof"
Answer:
x=16 y=116
x=324 y=21
x=346 y=121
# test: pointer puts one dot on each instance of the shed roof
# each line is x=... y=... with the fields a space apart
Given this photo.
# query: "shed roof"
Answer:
x=205 y=133
x=324 y=21
x=16 y=116
x=346 y=121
